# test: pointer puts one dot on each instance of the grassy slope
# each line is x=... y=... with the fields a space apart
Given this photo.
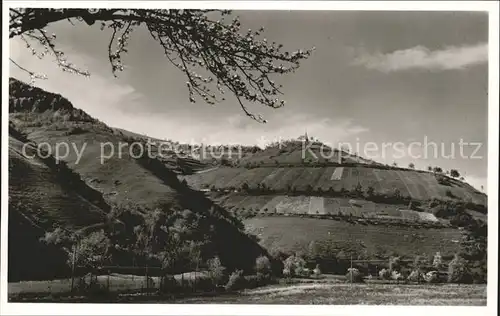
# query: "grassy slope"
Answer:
x=120 y=178
x=40 y=200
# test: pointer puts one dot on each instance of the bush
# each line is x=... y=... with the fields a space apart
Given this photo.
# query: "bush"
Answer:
x=437 y=262
x=415 y=276
x=454 y=173
x=437 y=170
x=358 y=189
x=479 y=273
x=432 y=277
x=394 y=263
x=236 y=281
x=458 y=271
x=216 y=271
x=263 y=265
x=302 y=272
x=384 y=274
x=370 y=192
x=294 y=264
x=317 y=271
x=354 y=276
x=397 y=276
x=287 y=273
x=396 y=194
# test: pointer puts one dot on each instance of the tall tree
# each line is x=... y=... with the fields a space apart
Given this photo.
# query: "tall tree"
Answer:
x=437 y=261
x=195 y=41
x=474 y=249
x=437 y=170
x=454 y=173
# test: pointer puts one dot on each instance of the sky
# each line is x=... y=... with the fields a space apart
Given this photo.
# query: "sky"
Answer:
x=375 y=77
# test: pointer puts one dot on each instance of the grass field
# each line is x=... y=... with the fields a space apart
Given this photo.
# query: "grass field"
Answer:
x=355 y=294
x=295 y=234
x=330 y=289
x=114 y=282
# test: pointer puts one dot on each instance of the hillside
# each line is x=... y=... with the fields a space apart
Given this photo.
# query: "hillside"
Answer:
x=286 y=201
x=277 y=191
x=126 y=182
x=373 y=240
x=41 y=198
x=418 y=185
x=44 y=195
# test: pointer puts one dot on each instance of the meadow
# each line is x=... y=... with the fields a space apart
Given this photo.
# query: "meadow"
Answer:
x=295 y=234
x=355 y=294
x=330 y=290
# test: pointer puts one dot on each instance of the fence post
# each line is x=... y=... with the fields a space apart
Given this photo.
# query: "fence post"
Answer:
x=108 y=280
x=195 y=276
x=73 y=269
x=147 y=280
x=351 y=271
x=182 y=281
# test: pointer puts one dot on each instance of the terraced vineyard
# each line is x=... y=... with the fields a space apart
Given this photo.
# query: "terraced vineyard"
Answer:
x=314 y=205
x=419 y=185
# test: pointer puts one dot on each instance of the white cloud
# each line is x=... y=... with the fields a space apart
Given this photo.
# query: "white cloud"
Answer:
x=420 y=57
x=102 y=96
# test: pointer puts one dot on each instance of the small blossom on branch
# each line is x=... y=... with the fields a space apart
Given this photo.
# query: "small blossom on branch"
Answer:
x=215 y=54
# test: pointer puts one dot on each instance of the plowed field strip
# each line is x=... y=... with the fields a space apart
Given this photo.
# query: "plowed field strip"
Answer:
x=337 y=174
x=316 y=205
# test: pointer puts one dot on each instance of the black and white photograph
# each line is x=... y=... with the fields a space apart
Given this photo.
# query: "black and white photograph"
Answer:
x=277 y=153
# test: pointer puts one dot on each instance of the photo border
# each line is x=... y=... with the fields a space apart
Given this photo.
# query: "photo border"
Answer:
x=217 y=309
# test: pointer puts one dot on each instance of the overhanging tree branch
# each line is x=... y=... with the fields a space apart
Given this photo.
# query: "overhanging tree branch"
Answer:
x=240 y=61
